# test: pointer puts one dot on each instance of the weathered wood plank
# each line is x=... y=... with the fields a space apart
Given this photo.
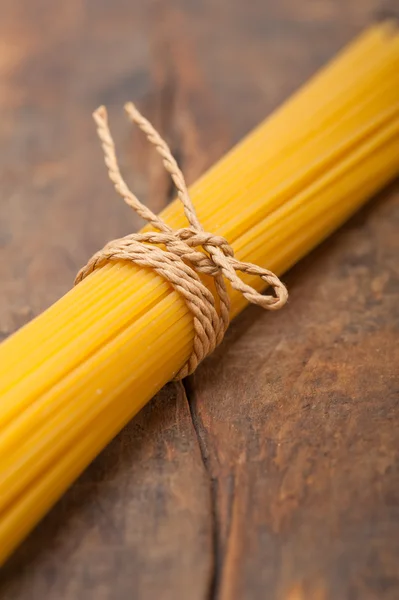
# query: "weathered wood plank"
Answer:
x=296 y=417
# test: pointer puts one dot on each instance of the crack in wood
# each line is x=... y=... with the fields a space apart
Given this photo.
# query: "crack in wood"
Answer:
x=215 y=577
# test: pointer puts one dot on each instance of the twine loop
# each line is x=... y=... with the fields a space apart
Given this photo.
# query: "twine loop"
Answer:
x=174 y=254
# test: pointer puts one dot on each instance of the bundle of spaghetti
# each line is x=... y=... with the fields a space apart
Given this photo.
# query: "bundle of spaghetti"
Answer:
x=74 y=376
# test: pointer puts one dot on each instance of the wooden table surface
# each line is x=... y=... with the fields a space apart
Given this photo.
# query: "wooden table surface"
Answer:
x=274 y=474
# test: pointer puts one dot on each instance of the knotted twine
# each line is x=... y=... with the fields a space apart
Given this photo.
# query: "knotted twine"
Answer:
x=179 y=261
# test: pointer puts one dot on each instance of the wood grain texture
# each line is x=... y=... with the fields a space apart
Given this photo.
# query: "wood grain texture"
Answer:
x=274 y=473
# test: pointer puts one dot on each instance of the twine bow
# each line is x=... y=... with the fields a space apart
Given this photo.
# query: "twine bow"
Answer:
x=179 y=262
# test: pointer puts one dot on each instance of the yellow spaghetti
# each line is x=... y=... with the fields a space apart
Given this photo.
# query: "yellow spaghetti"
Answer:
x=73 y=377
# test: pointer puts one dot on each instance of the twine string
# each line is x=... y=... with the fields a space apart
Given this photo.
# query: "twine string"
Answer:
x=179 y=262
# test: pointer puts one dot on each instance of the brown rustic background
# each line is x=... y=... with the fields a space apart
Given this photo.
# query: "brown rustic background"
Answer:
x=274 y=474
